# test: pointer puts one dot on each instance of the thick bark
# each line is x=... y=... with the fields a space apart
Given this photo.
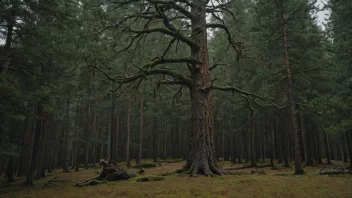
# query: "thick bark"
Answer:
x=139 y=156
x=201 y=158
x=293 y=119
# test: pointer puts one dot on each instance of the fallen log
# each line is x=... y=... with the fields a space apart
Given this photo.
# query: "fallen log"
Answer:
x=110 y=172
x=333 y=171
x=257 y=171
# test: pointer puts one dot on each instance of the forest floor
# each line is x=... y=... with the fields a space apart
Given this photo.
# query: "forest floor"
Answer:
x=275 y=183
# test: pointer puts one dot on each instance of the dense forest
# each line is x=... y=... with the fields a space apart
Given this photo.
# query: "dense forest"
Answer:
x=247 y=81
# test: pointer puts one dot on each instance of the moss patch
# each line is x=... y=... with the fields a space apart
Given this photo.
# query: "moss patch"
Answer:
x=151 y=178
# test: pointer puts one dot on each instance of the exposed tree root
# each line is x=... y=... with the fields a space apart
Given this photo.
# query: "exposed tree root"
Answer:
x=208 y=170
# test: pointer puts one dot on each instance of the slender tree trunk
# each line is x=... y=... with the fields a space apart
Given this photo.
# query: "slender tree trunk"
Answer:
x=66 y=140
x=139 y=155
x=252 y=140
x=35 y=149
x=298 y=166
x=300 y=135
x=9 y=169
x=41 y=153
x=349 y=144
x=233 y=145
x=286 y=146
x=309 y=146
x=112 y=127
x=318 y=146
x=87 y=138
x=26 y=148
x=117 y=139
x=155 y=128
x=128 y=161
x=343 y=145
x=77 y=136
x=327 y=148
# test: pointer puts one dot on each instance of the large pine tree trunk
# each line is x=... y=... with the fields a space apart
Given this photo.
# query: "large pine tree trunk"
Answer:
x=293 y=119
x=201 y=158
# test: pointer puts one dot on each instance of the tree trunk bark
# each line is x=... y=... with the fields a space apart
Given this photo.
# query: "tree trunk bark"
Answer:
x=25 y=148
x=343 y=145
x=309 y=146
x=300 y=135
x=9 y=169
x=139 y=157
x=327 y=148
x=77 y=136
x=35 y=149
x=128 y=161
x=349 y=144
x=298 y=166
x=66 y=140
x=87 y=138
x=112 y=128
x=155 y=128
x=252 y=140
